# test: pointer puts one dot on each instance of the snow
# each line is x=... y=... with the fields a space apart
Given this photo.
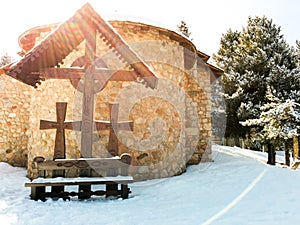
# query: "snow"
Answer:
x=237 y=188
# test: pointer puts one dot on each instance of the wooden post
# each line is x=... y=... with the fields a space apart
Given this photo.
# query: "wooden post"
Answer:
x=87 y=117
x=88 y=98
x=86 y=148
x=296 y=152
x=296 y=147
x=126 y=160
x=113 y=144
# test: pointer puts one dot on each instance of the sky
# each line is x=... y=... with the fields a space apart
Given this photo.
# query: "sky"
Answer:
x=207 y=20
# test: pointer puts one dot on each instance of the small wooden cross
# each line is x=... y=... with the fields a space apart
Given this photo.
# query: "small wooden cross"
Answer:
x=60 y=146
x=60 y=125
x=114 y=127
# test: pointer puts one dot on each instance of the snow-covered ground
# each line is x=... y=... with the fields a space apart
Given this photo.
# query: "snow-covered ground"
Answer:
x=237 y=188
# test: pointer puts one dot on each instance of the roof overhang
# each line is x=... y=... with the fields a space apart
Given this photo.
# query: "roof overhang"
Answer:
x=63 y=39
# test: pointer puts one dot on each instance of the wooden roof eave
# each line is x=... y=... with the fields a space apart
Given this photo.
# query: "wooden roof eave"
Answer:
x=5 y=68
x=47 y=53
x=108 y=33
x=216 y=72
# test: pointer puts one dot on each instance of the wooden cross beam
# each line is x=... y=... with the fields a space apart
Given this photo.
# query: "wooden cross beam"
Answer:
x=114 y=127
x=60 y=125
x=98 y=74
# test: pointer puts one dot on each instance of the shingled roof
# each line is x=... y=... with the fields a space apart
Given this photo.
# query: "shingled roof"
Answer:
x=63 y=39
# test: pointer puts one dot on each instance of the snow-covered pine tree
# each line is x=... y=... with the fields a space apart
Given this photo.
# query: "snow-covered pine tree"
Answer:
x=279 y=119
x=298 y=51
x=184 y=29
x=218 y=113
x=5 y=59
x=226 y=59
x=252 y=59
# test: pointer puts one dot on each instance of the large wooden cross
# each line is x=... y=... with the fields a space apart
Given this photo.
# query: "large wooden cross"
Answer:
x=92 y=79
x=89 y=74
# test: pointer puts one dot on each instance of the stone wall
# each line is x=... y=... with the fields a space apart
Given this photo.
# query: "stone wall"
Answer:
x=14 y=120
x=172 y=124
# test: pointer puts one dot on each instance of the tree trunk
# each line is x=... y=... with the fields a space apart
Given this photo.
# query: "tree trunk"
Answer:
x=296 y=147
x=287 y=154
x=271 y=155
x=237 y=141
x=287 y=157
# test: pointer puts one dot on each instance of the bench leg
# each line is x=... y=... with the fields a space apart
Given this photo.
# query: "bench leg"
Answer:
x=111 y=190
x=38 y=193
x=84 y=191
x=33 y=193
x=124 y=191
x=57 y=190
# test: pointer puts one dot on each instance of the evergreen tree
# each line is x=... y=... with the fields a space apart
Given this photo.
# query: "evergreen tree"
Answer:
x=279 y=119
x=5 y=59
x=184 y=29
x=298 y=51
x=226 y=60
x=253 y=59
x=218 y=112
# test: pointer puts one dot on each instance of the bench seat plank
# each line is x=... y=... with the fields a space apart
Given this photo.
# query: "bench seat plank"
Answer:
x=60 y=181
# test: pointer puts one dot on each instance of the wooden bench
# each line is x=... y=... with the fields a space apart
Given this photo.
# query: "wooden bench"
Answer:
x=111 y=172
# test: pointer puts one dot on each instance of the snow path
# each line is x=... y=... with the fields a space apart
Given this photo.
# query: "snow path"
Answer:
x=234 y=189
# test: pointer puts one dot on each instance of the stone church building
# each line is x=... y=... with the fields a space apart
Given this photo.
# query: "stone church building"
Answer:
x=157 y=78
